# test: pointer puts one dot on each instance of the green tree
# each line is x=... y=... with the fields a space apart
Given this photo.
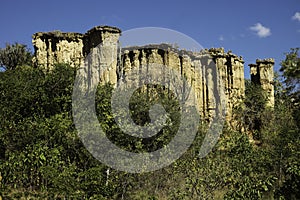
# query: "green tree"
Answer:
x=283 y=130
x=291 y=71
x=15 y=55
x=249 y=113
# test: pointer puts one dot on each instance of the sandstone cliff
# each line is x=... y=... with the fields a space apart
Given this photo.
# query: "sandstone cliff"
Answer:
x=201 y=69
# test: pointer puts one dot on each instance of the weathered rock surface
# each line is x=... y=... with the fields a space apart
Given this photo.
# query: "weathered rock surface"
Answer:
x=262 y=74
x=58 y=47
x=200 y=69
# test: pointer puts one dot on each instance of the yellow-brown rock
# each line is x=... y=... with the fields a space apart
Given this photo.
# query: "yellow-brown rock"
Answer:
x=205 y=71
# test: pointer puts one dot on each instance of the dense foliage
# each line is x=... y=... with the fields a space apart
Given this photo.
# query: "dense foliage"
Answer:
x=42 y=157
x=291 y=74
x=14 y=55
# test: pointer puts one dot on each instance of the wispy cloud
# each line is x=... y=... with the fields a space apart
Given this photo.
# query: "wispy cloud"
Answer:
x=260 y=30
x=221 y=38
x=296 y=16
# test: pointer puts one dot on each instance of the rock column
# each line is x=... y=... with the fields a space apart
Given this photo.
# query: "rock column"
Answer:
x=57 y=47
x=262 y=74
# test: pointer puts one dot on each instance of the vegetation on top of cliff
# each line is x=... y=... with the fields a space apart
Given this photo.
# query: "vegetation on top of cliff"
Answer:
x=58 y=34
x=214 y=52
x=104 y=28
x=71 y=35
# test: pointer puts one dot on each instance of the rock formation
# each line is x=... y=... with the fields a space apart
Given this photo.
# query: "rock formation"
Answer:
x=262 y=74
x=73 y=48
x=58 y=47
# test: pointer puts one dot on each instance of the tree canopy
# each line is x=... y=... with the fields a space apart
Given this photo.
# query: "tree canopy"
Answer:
x=41 y=156
x=14 y=55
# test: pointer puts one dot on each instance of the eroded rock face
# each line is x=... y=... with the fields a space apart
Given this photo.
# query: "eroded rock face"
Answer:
x=200 y=72
x=262 y=74
x=231 y=71
x=100 y=45
x=58 y=47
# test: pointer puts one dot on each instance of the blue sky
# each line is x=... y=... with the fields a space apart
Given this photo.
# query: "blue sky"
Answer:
x=252 y=29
